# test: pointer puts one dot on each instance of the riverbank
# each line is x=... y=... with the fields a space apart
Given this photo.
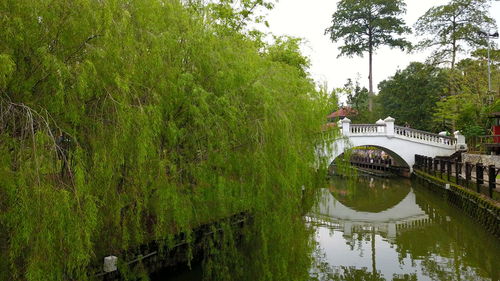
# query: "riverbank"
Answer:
x=485 y=210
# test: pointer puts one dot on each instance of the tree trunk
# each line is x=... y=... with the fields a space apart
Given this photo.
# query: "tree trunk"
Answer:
x=453 y=60
x=454 y=42
x=370 y=73
x=453 y=54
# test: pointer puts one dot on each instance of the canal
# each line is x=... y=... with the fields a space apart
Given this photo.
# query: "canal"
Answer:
x=389 y=229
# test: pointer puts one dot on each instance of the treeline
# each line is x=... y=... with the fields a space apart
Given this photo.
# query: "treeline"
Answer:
x=428 y=97
x=443 y=93
x=122 y=122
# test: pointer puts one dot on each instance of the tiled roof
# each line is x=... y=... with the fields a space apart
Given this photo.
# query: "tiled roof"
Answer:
x=343 y=112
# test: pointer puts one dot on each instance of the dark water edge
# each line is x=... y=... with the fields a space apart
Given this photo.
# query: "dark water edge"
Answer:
x=181 y=273
x=389 y=229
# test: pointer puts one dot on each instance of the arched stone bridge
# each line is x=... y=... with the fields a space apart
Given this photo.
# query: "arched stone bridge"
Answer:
x=401 y=143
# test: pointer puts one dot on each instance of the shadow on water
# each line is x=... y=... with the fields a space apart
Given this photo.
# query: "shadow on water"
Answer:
x=271 y=246
x=183 y=273
x=374 y=229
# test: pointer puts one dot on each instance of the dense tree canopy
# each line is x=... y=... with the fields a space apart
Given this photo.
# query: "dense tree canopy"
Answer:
x=468 y=109
x=127 y=121
x=366 y=25
x=410 y=95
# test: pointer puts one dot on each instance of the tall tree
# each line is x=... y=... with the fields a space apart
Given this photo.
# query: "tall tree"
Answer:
x=452 y=27
x=364 y=25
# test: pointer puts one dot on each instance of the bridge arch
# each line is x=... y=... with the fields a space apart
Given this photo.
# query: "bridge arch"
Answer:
x=400 y=160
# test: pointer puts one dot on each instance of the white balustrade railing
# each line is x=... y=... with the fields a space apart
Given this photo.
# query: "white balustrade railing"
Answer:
x=387 y=127
x=424 y=136
x=366 y=129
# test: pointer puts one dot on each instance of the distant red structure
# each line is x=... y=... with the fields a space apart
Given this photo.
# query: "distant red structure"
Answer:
x=343 y=112
x=495 y=128
x=493 y=146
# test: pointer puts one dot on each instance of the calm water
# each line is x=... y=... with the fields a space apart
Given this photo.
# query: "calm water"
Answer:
x=396 y=230
x=379 y=229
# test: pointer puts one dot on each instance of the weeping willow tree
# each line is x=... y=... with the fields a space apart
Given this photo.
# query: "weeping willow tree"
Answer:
x=124 y=122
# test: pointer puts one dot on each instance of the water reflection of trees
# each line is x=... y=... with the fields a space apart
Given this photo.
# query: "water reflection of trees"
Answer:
x=452 y=248
x=447 y=247
x=380 y=195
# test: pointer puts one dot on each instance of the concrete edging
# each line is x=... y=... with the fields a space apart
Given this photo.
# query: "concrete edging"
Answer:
x=482 y=209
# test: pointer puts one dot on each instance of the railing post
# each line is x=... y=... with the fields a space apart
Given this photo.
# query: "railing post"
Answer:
x=492 y=179
x=389 y=126
x=460 y=145
x=479 y=176
x=429 y=160
x=380 y=126
x=458 y=170
x=346 y=126
x=468 y=172
x=448 y=169
x=435 y=166
x=441 y=167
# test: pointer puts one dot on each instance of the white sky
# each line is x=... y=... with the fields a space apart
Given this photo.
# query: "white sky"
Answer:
x=308 y=19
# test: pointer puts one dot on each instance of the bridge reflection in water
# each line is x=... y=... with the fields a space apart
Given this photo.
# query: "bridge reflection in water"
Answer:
x=387 y=230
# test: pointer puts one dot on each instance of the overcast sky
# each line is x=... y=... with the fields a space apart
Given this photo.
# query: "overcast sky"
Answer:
x=308 y=19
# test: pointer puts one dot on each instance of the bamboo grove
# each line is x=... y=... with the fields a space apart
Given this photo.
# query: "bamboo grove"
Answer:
x=128 y=121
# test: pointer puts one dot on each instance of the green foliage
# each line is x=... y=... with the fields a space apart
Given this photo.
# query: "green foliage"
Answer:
x=236 y=14
x=6 y=69
x=468 y=109
x=453 y=27
x=366 y=25
x=286 y=50
x=357 y=98
x=410 y=95
x=123 y=122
